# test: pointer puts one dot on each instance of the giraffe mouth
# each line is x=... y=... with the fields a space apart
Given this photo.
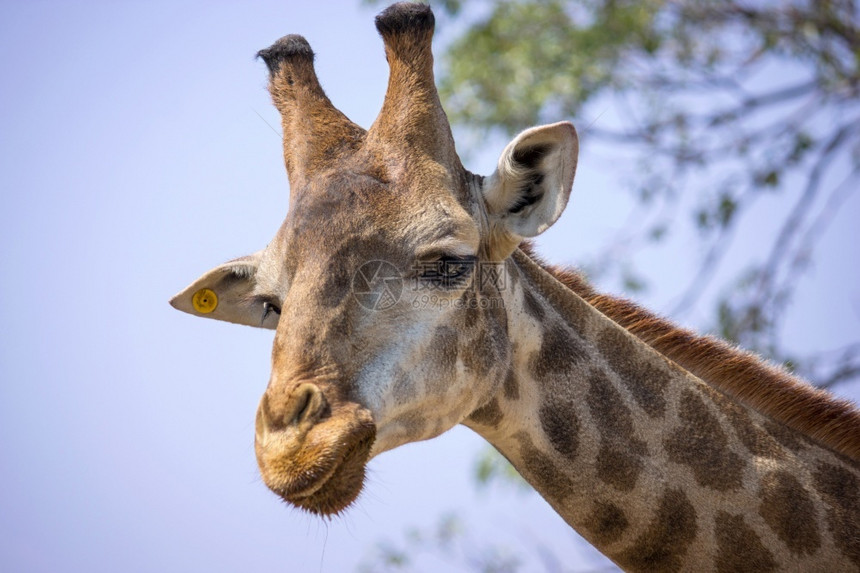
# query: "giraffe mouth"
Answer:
x=323 y=476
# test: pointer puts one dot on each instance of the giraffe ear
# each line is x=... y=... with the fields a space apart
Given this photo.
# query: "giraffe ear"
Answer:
x=532 y=183
x=226 y=293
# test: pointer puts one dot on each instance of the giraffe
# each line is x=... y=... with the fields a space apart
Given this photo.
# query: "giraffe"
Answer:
x=666 y=450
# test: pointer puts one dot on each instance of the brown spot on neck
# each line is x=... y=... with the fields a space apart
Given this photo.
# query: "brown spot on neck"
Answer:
x=701 y=444
x=613 y=418
x=559 y=352
x=784 y=436
x=606 y=523
x=533 y=307
x=511 y=385
x=560 y=425
x=645 y=382
x=490 y=414
x=541 y=471
x=619 y=460
x=754 y=439
x=739 y=547
x=663 y=545
x=840 y=490
x=788 y=510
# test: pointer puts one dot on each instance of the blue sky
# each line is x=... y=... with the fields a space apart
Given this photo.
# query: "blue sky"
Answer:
x=132 y=159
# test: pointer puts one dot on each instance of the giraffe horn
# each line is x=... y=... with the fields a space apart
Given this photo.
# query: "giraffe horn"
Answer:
x=314 y=131
x=412 y=115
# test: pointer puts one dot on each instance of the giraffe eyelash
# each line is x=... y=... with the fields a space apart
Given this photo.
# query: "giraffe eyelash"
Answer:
x=447 y=270
x=269 y=304
x=268 y=307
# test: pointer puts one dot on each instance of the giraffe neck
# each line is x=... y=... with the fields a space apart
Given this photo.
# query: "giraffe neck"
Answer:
x=653 y=466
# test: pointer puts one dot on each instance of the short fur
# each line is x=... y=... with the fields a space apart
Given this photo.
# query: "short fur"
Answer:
x=769 y=389
x=405 y=18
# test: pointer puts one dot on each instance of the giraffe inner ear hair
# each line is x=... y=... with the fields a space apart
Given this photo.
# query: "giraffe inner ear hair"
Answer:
x=532 y=183
x=526 y=166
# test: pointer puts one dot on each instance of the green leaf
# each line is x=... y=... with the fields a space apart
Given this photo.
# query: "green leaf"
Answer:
x=703 y=220
x=769 y=178
x=492 y=466
x=658 y=233
x=726 y=210
x=803 y=142
x=631 y=282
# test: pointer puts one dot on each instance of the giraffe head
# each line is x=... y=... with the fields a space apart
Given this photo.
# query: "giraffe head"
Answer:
x=389 y=329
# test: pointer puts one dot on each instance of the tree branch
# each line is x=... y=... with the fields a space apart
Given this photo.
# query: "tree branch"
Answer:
x=801 y=207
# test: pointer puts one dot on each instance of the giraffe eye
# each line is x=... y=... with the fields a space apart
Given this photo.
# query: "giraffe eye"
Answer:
x=268 y=308
x=447 y=271
x=456 y=267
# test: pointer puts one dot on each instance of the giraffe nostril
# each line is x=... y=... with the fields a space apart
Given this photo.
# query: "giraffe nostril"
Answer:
x=301 y=409
x=307 y=402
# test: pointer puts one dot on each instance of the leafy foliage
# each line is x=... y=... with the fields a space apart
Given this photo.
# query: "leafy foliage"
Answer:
x=490 y=467
x=448 y=543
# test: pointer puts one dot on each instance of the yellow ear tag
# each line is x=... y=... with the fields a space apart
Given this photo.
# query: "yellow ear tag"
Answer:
x=205 y=301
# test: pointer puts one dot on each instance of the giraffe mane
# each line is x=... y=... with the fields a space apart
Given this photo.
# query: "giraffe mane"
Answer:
x=769 y=389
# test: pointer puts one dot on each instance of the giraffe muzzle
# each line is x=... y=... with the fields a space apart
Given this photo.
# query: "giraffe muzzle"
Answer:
x=312 y=451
